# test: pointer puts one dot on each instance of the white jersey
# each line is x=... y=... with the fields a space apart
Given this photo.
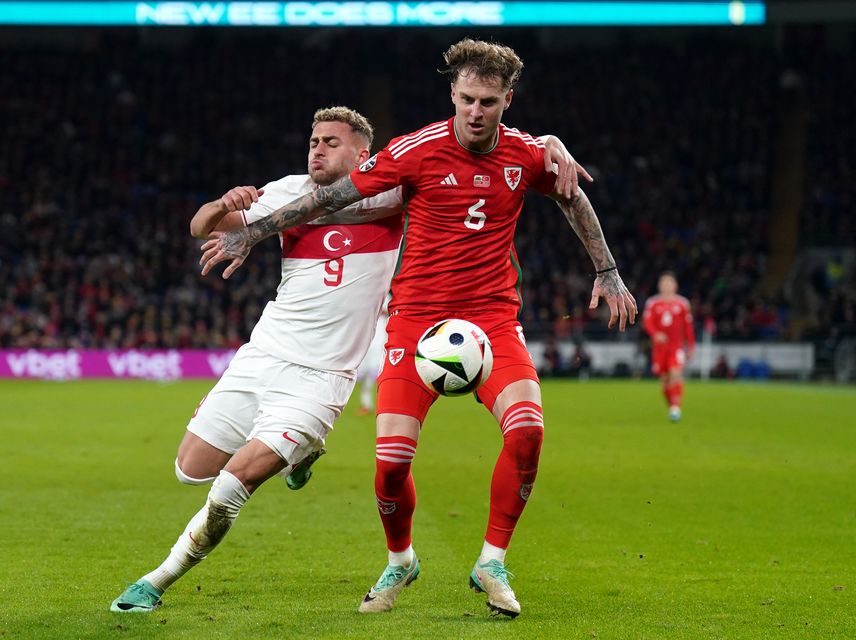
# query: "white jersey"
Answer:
x=335 y=273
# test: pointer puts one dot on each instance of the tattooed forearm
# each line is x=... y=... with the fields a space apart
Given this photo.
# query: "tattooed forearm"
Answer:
x=583 y=220
x=322 y=200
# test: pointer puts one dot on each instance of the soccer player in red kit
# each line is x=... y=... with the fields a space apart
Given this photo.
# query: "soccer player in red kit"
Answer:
x=669 y=322
x=464 y=181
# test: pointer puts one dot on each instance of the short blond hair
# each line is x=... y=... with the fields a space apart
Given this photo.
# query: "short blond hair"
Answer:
x=485 y=59
x=358 y=122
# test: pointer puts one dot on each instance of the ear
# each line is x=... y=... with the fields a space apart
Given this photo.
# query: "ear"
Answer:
x=508 y=97
x=364 y=155
x=452 y=85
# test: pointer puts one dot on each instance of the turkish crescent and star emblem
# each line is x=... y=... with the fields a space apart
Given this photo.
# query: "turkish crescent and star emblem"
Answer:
x=512 y=176
x=395 y=356
x=335 y=240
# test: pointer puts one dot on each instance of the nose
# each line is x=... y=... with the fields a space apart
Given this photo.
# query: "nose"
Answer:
x=476 y=110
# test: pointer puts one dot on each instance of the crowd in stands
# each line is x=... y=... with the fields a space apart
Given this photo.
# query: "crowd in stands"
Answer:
x=109 y=147
x=828 y=219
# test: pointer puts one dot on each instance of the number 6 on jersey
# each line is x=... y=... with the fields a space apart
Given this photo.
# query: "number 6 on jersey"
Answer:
x=475 y=219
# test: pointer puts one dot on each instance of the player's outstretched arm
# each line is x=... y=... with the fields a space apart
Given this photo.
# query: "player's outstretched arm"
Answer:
x=235 y=245
x=224 y=213
x=607 y=283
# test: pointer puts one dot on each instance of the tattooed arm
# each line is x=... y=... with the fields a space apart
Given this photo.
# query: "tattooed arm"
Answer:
x=608 y=285
x=235 y=245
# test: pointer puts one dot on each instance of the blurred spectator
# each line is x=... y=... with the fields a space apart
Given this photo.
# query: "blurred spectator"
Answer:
x=581 y=362
x=553 y=365
x=720 y=369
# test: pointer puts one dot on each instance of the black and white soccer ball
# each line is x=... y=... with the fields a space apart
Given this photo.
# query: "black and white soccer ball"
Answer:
x=454 y=357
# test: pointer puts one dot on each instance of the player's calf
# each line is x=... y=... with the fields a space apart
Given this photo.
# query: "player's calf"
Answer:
x=515 y=471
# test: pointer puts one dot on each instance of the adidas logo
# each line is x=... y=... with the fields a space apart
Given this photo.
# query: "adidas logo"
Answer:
x=450 y=180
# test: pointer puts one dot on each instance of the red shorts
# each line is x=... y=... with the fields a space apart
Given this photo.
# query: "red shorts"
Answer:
x=401 y=390
x=666 y=358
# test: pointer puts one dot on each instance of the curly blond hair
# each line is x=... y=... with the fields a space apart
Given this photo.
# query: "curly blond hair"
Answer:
x=485 y=59
x=358 y=122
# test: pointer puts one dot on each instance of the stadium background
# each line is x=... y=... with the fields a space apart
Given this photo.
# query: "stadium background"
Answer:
x=723 y=153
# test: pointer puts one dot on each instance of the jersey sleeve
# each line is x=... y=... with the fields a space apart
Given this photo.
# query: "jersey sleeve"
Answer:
x=543 y=181
x=268 y=202
x=384 y=171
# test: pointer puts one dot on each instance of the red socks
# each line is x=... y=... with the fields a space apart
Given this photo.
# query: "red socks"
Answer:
x=394 y=489
x=673 y=393
x=514 y=474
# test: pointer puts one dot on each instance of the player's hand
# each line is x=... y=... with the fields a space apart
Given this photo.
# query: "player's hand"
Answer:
x=567 y=180
x=240 y=198
x=622 y=305
x=222 y=246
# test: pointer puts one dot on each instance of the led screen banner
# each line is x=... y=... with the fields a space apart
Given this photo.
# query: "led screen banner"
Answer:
x=146 y=364
x=381 y=14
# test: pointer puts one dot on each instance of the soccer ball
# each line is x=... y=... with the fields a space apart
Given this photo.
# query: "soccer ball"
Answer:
x=454 y=357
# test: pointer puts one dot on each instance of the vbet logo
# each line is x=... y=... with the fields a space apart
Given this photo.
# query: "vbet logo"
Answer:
x=319 y=13
x=157 y=365
x=160 y=364
x=58 y=365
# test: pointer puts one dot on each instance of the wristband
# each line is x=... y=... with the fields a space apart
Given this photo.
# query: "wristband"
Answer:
x=605 y=270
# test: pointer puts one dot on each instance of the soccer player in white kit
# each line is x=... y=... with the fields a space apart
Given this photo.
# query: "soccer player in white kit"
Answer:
x=275 y=404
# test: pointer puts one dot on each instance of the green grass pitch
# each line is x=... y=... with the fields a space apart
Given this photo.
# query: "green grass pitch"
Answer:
x=736 y=523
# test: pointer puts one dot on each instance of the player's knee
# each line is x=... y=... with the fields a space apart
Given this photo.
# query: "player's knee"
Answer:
x=525 y=445
x=393 y=459
x=183 y=478
x=389 y=475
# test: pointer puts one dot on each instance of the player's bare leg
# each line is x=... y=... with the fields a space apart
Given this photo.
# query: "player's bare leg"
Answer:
x=674 y=387
x=395 y=492
x=243 y=474
x=518 y=411
x=197 y=461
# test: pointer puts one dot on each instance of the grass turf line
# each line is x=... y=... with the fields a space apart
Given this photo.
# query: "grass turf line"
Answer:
x=735 y=523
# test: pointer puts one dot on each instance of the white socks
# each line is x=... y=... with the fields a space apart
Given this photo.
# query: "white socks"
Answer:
x=401 y=558
x=489 y=552
x=203 y=532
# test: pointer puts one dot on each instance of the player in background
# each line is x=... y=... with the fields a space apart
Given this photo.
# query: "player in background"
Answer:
x=369 y=368
x=273 y=407
x=464 y=181
x=668 y=320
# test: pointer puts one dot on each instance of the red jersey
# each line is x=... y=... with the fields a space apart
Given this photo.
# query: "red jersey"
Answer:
x=671 y=316
x=462 y=208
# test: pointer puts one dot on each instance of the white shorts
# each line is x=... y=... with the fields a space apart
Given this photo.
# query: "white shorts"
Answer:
x=288 y=407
